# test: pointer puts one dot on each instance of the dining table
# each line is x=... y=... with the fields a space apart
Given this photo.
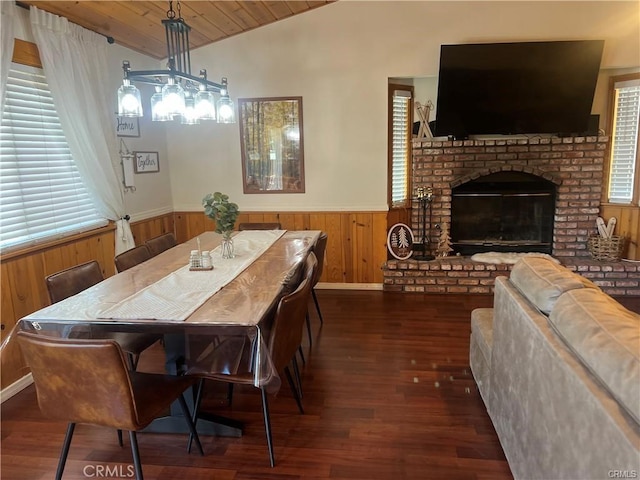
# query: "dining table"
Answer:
x=197 y=312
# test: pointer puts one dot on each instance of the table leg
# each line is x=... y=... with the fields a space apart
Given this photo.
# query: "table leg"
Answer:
x=208 y=424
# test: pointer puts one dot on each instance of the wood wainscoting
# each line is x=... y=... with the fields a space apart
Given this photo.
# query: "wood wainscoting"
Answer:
x=356 y=244
x=356 y=250
x=23 y=289
x=143 y=230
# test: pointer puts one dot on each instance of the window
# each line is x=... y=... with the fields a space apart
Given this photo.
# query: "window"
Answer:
x=42 y=195
x=400 y=123
x=623 y=175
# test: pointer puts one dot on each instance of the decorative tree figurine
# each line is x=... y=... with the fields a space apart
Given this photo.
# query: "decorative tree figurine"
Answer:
x=444 y=243
x=403 y=239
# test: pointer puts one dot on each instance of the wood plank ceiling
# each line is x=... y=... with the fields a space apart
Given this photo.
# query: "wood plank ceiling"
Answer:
x=138 y=24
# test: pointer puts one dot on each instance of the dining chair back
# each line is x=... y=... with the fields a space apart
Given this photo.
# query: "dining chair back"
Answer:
x=132 y=257
x=161 y=243
x=288 y=326
x=87 y=381
x=283 y=342
x=259 y=226
x=73 y=280
x=319 y=249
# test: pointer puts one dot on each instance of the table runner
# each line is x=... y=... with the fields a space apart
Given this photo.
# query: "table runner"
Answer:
x=179 y=294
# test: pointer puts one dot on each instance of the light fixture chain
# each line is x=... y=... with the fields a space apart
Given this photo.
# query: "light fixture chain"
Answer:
x=170 y=13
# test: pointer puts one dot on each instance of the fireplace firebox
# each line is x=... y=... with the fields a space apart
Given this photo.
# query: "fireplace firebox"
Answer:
x=505 y=211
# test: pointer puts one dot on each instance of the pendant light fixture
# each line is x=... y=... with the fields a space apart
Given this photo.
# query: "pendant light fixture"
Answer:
x=178 y=94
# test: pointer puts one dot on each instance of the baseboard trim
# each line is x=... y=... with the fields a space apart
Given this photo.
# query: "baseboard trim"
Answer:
x=16 y=387
x=348 y=286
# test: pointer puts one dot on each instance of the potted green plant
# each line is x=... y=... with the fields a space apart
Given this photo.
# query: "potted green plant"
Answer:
x=225 y=213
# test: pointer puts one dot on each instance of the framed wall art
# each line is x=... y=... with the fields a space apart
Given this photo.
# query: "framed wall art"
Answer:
x=146 y=162
x=272 y=146
x=127 y=126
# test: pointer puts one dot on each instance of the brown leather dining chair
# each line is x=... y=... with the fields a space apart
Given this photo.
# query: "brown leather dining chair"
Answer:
x=132 y=257
x=87 y=381
x=68 y=282
x=73 y=280
x=283 y=342
x=318 y=249
x=259 y=226
x=161 y=243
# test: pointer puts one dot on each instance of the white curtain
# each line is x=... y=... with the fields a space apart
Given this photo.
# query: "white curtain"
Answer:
x=74 y=61
x=7 y=19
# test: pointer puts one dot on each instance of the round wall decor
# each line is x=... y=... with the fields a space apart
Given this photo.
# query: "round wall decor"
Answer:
x=400 y=241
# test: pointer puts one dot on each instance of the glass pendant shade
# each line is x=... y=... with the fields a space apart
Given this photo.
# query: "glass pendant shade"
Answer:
x=189 y=117
x=173 y=98
x=205 y=105
x=226 y=110
x=129 y=102
x=175 y=85
x=158 y=110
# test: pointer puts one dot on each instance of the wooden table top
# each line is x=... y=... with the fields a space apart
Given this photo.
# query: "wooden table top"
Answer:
x=242 y=302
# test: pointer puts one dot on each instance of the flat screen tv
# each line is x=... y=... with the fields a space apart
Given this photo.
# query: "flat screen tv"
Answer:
x=517 y=88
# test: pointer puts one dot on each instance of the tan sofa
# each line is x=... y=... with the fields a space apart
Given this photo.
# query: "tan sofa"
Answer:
x=557 y=362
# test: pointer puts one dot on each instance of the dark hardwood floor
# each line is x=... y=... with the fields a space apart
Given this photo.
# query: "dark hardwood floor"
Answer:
x=388 y=394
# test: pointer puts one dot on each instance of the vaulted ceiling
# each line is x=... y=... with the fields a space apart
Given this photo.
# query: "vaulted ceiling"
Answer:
x=137 y=24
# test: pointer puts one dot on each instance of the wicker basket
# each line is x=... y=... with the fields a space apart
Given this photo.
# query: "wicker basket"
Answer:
x=606 y=249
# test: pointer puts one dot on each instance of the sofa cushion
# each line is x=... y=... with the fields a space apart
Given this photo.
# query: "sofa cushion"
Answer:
x=543 y=281
x=605 y=336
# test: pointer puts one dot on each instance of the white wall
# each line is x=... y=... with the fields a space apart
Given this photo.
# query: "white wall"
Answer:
x=339 y=58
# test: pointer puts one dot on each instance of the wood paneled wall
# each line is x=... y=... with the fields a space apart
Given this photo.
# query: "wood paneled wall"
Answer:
x=22 y=284
x=23 y=289
x=356 y=249
x=143 y=230
x=628 y=218
x=356 y=244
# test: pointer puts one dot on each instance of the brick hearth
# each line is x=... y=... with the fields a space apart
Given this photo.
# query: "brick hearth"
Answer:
x=462 y=275
x=574 y=164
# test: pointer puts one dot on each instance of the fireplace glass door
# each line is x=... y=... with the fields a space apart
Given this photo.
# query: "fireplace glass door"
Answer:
x=505 y=212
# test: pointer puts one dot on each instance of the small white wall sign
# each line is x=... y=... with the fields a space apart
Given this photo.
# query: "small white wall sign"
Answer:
x=146 y=162
x=127 y=126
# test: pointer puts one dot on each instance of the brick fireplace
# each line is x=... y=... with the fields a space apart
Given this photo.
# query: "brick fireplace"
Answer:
x=575 y=165
x=505 y=211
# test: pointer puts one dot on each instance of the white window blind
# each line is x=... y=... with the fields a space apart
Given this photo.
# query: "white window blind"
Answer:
x=624 y=148
x=401 y=133
x=41 y=194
